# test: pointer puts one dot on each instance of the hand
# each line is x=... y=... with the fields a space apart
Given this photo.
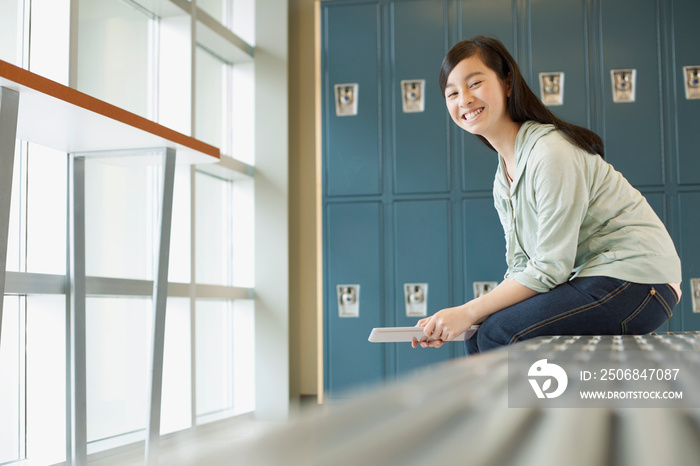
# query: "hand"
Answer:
x=443 y=326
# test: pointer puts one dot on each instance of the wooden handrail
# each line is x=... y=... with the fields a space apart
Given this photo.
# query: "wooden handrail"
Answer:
x=19 y=79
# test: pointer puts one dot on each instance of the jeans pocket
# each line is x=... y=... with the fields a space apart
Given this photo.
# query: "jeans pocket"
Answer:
x=648 y=316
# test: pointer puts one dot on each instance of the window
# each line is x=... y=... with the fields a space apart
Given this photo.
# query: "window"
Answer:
x=11 y=31
x=117 y=54
x=126 y=49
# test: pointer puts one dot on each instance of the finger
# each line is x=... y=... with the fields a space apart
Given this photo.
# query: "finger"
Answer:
x=429 y=327
x=435 y=343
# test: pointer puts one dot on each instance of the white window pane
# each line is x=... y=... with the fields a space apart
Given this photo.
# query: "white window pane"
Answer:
x=10 y=368
x=46 y=379
x=213 y=245
x=174 y=75
x=243 y=356
x=180 y=236
x=236 y=15
x=243 y=113
x=50 y=39
x=244 y=19
x=214 y=325
x=11 y=31
x=117 y=362
x=15 y=238
x=120 y=215
x=211 y=99
x=114 y=52
x=46 y=210
x=176 y=411
x=243 y=239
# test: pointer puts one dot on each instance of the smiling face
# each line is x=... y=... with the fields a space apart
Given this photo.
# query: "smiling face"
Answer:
x=476 y=98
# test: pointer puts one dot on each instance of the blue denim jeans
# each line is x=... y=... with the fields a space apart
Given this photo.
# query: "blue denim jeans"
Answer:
x=582 y=306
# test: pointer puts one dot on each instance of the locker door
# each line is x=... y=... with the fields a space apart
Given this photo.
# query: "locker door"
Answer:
x=685 y=14
x=485 y=246
x=558 y=42
x=353 y=256
x=351 y=55
x=689 y=250
x=422 y=255
x=657 y=201
x=421 y=155
x=493 y=18
x=633 y=130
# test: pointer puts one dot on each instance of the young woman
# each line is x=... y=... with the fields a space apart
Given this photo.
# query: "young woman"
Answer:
x=586 y=254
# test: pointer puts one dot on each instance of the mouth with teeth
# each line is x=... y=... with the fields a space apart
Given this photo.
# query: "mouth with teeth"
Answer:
x=473 y=114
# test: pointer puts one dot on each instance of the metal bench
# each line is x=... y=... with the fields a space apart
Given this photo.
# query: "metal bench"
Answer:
x=458 y=413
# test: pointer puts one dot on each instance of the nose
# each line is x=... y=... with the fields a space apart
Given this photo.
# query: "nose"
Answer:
x=465 y=98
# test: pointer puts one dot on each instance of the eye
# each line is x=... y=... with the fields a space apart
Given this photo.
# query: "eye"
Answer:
x=474 y=84
x=451 y=94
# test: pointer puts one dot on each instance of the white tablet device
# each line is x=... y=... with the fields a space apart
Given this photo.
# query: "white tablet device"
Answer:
x=396 y=334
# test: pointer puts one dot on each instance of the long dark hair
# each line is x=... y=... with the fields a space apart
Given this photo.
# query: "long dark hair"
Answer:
x=523 y=104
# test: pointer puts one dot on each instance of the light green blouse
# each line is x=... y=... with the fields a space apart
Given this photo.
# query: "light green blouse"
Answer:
x=568 y=213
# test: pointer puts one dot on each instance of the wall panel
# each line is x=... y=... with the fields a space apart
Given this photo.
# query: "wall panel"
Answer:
x=558 y=44
x=685 y=39
x=633 y=130
x=421 y=153
x=353 y=255
x=352 y=144
x=485 y=245
x=689 y=249
x=422 y=255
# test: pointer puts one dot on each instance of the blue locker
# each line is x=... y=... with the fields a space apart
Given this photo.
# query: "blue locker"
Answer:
x=353 y=254
x=421 y=255
x=420 y=144
x=352 y=144
x=689 y=250
x=633 y=130
x=685 y=39
x=657 y=201
x=495 y=18
x=485 y=245
x=558 y=44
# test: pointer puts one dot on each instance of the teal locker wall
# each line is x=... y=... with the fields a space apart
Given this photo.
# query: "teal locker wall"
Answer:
x=352 y=164
x=420 y=145
x=484 y=244
x=427 y=185
x=565 y=23
x=633 y=131
x=686 y=53
x=353 y=256
x=422 y=255
x=689 y=248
